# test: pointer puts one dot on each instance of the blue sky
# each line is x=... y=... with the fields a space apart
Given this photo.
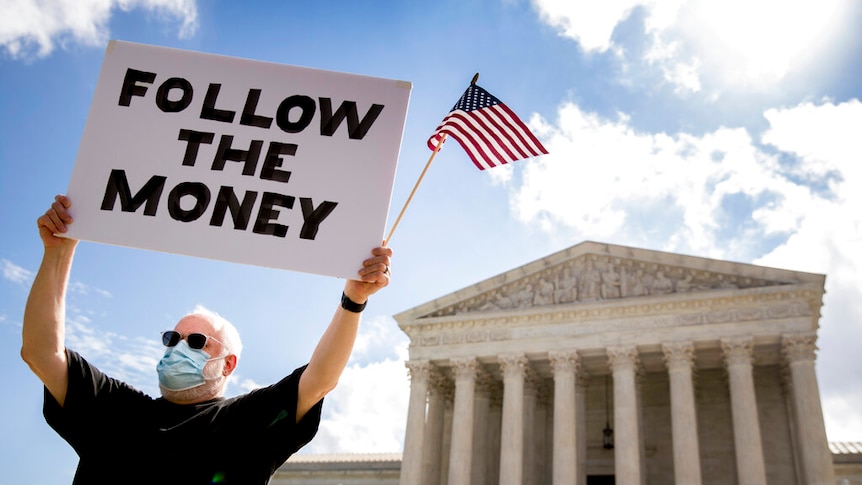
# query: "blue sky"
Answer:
x=726 y=132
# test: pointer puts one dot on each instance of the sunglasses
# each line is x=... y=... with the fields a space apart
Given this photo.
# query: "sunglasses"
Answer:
x=196 y=341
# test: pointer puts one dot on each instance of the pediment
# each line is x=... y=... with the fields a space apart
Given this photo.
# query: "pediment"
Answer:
x=593 y=272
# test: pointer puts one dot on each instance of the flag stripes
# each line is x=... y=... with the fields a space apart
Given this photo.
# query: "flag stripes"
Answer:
x=490 y=132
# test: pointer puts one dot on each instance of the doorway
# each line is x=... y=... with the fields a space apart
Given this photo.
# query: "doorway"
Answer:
x=601 y=480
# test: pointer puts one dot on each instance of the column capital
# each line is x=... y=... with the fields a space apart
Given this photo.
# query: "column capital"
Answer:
x=513 y=364
x=418 y=369
x=623 y=358
x=737 y=351
x=440 y=386
x=799 y=347
x=487 y=386
x=678 y=355
x=465 y=368
x=565 y=361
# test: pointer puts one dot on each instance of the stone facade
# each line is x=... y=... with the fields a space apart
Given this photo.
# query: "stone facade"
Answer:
x=709 y=366
x=703 y=370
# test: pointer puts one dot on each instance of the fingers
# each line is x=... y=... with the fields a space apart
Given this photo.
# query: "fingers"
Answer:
x=377 y=268
x=57 y=218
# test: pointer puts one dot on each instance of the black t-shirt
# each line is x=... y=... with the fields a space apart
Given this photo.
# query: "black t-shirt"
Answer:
x=124 y=436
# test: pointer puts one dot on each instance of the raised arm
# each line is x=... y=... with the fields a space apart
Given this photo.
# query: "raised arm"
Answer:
x=333 y=350
x=43 y=335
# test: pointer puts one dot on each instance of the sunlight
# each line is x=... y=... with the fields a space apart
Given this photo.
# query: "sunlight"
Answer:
x=753 y=42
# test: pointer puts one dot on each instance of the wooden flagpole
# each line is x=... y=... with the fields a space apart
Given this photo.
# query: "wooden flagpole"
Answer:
x=421 y=176
x=413 y=192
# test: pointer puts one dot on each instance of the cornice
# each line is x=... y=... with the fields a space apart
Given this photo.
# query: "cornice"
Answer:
x=739 y=306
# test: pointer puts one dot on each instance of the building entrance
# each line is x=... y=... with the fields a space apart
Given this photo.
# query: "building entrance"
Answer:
x=601 y=480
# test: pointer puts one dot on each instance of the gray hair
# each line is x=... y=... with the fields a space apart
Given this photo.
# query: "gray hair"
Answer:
x=223 y=326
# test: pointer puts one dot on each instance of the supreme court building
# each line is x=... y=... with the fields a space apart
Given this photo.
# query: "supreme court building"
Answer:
x=605 y=364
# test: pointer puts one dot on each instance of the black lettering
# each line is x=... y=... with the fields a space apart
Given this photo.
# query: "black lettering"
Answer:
x=227 y=200
x=313 y=217
x=118 y=185
x=168 y=106
x=195 y=189
x=249 y=117
x=356 y=130
x=273 y=160
x=209 y=111
x=266 y=213
x=282 y=115
x=248 y=157
x=132 y=88
x=194 y=139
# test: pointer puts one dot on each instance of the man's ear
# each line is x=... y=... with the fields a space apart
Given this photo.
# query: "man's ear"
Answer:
x=229 y=364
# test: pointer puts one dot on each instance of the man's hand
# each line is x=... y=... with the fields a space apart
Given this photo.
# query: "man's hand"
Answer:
x=55 y=221
x=373 y=275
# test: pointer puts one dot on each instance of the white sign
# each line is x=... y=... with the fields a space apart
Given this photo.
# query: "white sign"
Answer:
x=237 y=160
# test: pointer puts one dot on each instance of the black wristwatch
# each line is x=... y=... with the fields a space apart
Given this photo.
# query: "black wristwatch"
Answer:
x=351 y=305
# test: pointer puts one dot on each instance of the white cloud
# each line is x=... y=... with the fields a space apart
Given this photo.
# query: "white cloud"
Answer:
x=367 y=412
x=590 y=23
x=16 y=274
x=85 y=289
x=379 y=338
x=34 y=27
x=605 y=180
x=750 y=43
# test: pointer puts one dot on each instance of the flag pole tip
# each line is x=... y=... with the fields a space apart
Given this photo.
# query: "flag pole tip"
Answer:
x=475 y=78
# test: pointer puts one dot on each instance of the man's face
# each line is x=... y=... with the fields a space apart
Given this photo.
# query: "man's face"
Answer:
x=215 y=371
x=196 y=324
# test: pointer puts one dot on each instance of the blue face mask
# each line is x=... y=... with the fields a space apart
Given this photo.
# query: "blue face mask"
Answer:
x=182 y=367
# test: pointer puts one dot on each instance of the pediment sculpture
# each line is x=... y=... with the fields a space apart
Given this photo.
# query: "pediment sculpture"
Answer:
x=593 y=278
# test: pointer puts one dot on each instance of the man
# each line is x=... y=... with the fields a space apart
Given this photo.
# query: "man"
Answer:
x=191 y=435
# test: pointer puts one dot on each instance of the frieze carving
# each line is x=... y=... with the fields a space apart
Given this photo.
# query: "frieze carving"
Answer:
x=592 y=278
x=562 y=324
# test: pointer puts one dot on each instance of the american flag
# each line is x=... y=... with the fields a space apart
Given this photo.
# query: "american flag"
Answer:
x=490 y=132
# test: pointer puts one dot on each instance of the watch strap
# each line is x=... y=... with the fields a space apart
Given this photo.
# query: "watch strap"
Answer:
x=351 y=305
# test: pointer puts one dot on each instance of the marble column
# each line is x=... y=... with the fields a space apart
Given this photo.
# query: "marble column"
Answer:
x=679 y=358
x=799 y=354
x=513 y=368
x=789 y=405
x=461 y=449
x=581 y=426
x=411 y=464
x=485 y=388
x=440 y=392
x=750 y=466
x=565 y=367
x=624 y=364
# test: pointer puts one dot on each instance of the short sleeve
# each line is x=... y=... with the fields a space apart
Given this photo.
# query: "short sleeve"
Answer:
x=91 y=399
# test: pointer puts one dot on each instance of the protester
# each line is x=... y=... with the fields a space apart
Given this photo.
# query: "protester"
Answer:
x=192 y=434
